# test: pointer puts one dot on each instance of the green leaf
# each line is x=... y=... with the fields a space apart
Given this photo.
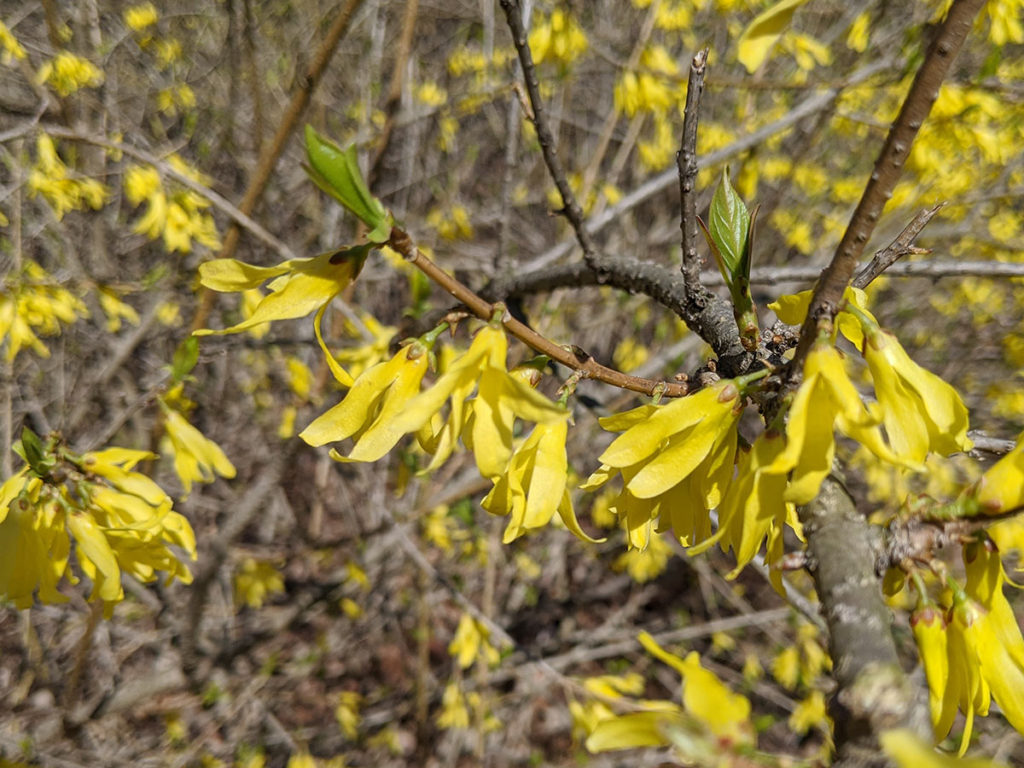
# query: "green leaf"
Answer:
x=185 y=358
x=729 y=223
x=336 y=172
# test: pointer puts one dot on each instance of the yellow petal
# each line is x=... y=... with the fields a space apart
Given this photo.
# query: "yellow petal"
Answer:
x=229 y=275
x=760 y=35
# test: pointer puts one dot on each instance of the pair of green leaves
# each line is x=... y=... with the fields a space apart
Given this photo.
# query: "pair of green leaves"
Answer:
x=730 y=236
x=336 y=172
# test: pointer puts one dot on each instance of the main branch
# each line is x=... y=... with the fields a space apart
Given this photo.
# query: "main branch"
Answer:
x=888 y=167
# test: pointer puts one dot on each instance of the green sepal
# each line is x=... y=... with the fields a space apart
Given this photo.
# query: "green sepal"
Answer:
x=336 y=172
x=39 y=457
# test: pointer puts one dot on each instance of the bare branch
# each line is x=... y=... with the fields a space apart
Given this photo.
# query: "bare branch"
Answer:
x=902 y=246
x=570 y=357
x=657 y=184
x=686 y=162
x=570 y=207
x=888 y=168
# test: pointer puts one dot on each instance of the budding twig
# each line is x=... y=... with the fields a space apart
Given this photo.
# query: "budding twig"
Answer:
x=576 y=360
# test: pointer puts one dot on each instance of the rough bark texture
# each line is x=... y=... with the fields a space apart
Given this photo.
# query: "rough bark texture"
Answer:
x=873 y=694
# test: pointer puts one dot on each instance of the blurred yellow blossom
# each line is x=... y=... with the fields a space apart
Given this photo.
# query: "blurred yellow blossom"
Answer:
x=51 y=178
x=139 y=17
x=11 y=47
x=255 y=580
x=196 y=457
x=66 y=73
x=33 y=304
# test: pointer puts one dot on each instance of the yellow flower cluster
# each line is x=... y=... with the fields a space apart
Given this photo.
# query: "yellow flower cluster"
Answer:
x=51 y=178
x=558 y=38
x=256 y=580
x=67 y=73
x=971 y=647
x=679 y=461
x=13 y=50
x=140 y=17
x=178 y=216
x=386 y=402
x=119 y=520
x=31 y=305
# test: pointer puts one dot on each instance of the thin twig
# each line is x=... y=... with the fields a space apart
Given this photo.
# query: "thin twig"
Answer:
x=686 y=162
x=902 y=246
x=915 y=110
x=568 y=356
x=570 y=207
x=657 y=184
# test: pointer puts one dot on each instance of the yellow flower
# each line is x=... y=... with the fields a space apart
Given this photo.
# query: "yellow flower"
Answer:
x=642 y=565
x=675 y=460
x=668 y=442
x=12 y=48
x=254 y=581
x=196 y=457
x=809 y=713
x=826 y=399
x=921 y=412
x=929 y=627
x=711 y=721
x=559 y=38
x=454 y=713
x=370 y=407
x=471 y=642
x=1001 y=488
x=534 y=486
x=753 y=507
x=33 y=303
x=297 y=287
x=997 y=634
x=139 y=17
x=347 y=713
x=115 y=309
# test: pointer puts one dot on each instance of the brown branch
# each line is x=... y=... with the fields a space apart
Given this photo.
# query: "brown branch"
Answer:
x=686 y=162
x=873 y=692
x=568 y=356
x=272 y=152
x=888 y=167
x=570 y=207
x=902 y=246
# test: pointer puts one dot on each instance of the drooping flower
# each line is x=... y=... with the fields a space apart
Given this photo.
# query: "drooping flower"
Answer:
x=712 y=721
x=297 y=287
x=1001 y=487
x=535 y=484
x=753 y=507
x=373 y=402
x=920 y=411
x=825 y=400
x=196 y=457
